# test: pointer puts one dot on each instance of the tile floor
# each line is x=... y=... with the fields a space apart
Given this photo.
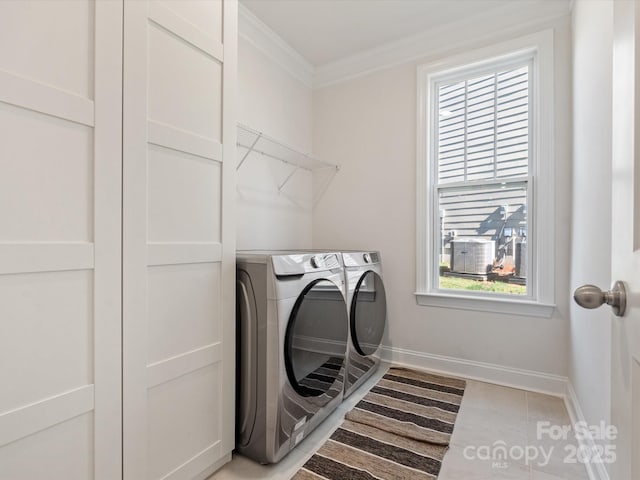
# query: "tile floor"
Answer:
x=490 y=416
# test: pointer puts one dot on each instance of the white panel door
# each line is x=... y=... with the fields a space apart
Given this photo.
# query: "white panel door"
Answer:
x=625 y=243
x=60 y=237
x=178 y=237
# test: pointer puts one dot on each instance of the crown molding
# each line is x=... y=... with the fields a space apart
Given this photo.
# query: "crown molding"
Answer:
x=517 y=18
x=258 y=34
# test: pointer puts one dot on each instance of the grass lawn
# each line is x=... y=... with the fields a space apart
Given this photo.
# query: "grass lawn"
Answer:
x=455 y=283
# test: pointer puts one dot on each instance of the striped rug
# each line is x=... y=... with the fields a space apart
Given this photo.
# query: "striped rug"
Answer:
x=361 y=452
x=413 y=404
x=399 y=430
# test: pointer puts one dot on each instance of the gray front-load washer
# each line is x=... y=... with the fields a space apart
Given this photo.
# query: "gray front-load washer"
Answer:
x=292 y=340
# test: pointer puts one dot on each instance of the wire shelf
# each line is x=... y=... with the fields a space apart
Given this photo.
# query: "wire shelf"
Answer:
x=252 y=141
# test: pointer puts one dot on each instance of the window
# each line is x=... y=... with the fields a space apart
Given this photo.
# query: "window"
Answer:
x=480 y=151
x=485 y=180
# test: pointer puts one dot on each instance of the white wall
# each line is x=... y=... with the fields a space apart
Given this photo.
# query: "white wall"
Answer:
x=274 y=102
x=590 y=333
x=368 y=125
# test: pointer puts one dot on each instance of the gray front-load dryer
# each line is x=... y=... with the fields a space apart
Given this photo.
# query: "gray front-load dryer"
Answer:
x=367 y=303
x=292 y=339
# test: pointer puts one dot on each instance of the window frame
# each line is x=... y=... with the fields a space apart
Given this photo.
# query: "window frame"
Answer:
x=540 y=298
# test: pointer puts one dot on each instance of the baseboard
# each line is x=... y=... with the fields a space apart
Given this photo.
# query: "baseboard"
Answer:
x=485 y=372
x=596 y=471
x=500 y=375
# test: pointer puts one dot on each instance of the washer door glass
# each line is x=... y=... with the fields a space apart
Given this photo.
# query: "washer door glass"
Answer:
x=368 y=313
x=316 y=340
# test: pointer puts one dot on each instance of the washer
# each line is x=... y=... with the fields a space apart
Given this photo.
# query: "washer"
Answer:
x=367 y=304
x=292 y=334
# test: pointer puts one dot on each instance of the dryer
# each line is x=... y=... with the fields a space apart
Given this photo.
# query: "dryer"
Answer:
x=367 y=303
x=292 y=333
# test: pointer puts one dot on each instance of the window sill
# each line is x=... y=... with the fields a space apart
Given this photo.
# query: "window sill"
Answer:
x=524 y=308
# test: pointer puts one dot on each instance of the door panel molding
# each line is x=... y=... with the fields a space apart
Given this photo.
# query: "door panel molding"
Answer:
x=229 y=134
x=183 y=253
x=107 y=301
x=178 y=26
x=197 y=464
x=171 y=137
x=30 y=419
x=74 y=131
x=180 y=365
x=35 y=257
x=36 y=96
x=176 y=229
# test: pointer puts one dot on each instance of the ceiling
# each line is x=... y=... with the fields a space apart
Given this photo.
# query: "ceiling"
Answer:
x=325 y=31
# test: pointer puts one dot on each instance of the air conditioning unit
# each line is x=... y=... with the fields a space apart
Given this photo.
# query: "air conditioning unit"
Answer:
x=472 y=255
x=521 y=258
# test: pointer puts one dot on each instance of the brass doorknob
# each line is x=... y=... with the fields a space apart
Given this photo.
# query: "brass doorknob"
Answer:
x=590 y=296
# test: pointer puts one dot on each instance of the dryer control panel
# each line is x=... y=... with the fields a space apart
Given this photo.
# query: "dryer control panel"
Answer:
x=359 y=259
x=299 y=264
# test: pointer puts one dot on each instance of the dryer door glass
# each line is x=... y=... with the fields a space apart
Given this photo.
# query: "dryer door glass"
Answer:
x=316 y=340
x=368 y=313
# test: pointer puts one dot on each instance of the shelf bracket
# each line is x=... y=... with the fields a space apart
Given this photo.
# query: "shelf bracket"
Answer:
x=255 y=142
x=334 y=171
x=249 y=151
x=281 y=186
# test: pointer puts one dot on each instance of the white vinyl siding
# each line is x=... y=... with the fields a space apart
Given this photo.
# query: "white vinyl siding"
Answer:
x=483 y=126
